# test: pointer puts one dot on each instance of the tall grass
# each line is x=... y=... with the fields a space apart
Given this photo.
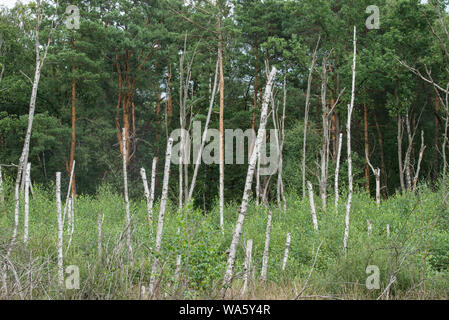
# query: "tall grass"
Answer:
x=416 y=252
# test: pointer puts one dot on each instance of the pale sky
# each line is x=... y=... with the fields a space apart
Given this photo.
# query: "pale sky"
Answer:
x=10 y=3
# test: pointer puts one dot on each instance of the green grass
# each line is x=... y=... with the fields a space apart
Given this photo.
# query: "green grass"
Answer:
x=416 y=251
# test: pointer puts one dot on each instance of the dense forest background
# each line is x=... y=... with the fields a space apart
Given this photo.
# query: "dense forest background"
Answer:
x=121 y=68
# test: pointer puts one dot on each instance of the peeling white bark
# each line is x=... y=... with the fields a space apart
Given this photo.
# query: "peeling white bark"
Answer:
x=348 y=128
x=263 y=275
x=287 y=250
x=312 y=206
x=125 y=192
x=249 y=179
x=337 y=169
x=27 y=203
x=60 y=230
x=160 y=223
x=247 y=268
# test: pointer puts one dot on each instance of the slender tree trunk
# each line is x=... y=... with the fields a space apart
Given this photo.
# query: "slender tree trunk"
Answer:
x=220 y=63
x=348 y=130
x=247 y=269
x=100 y=218
x=153 y=187
x=312 y=206
x=125 y=192
x=382 y=157
x=337 y=168
x=399 y=137
x=365 y=122
x=287 y=249
x=421 y=153
x=407 y=161
x=203 y=140
x=249 y=178
x=160 y=222
x=27 y=204
x=436 y=163
x=263 y=275
x=325 y=142
x=306 y=118
x=60 y=230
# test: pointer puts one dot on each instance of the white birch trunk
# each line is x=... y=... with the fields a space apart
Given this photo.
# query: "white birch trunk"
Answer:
x=247 y=269
x=249 y=179
x=421 y=153
x=287 y=250
x=348 y=126
x=337 y=169
x=60 y=230
x=27 y=204
x=263 y=275
x=71 y=218
x=100 y=219
x=203 y=140
x=125 y=192
x=388 y=230
x=306 y=118
x=153 y=187
x=160 y=223
x=68 y=193
x=312 y=206
x=149 y=195
x=370 y=227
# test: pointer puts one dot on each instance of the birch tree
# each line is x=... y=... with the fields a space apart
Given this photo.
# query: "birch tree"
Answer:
x=249 y=178
x=306 y=119
x=60 y=230
x=125 y=192
x=348 y=132
x=160 y=222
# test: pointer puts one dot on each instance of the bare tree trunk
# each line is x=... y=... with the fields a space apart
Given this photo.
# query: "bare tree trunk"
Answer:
x=247 y=269
x=249 y=179
x=263 y=275
x=337 y=168
x=376 y=173
x=27 y=205
x=325 y=143
x=421 y=153
x=365 y=126
x=100 y=219
x=149 y=194
x=401 y=169
x=160 y=222
x=287 y=249
x=203 y=140
x=281 y=159
x=153 y=187
x=312 y=206
x=370 y=227
x=125 y=192
x=306 y=118
x=382 y=157
x=348 y=126
x=68 y=193
x=60 y=230
x=32 y=106
x=407 y=162
x=220 y=63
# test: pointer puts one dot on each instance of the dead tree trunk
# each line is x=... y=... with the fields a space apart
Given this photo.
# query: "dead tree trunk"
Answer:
x=27 y=206
x=263 y=275
x=60 y=230
x=348 y=132
x=337 y=168
x=247 y=268
x=160 y=222
x=125 y=192
x=312 y=206
x=287 y=249
x=306 y=118
x=203 y=140
x=249 y=178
